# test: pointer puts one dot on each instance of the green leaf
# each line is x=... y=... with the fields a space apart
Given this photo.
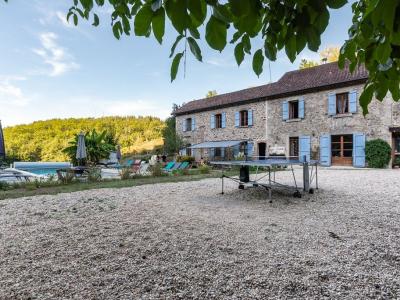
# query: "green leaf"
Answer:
x=366 y=97
x=216 y=34
x=158 y=24
x=290 y=48
x=258 y=61
x=270 y=51
x=239 y=53
x=117 y=29
x=126 y=24
x=314 y=39
x=175 y=65
x=194 y=33
x=246 y=44
x=198 y=9
x=96 y=20
x=75 y=20
x=143 y=21
x=336 y=3
x=177 y=13
x=178 y=38
x=239 y=7
x=194 y=48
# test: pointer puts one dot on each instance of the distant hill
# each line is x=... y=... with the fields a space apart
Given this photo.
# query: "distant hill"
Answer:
x=44 y=140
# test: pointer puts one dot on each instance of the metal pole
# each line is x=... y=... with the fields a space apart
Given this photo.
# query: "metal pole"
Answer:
x=222 y=179
x=306 y=176
x=316 y=176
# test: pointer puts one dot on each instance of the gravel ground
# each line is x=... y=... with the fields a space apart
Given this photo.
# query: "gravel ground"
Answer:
x=184 y=240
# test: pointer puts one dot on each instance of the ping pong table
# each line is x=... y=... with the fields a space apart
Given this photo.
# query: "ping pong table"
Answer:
x=268 y=180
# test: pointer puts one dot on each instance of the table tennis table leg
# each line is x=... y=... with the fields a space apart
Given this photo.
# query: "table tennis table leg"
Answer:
x=222 y=186
x=316 y=176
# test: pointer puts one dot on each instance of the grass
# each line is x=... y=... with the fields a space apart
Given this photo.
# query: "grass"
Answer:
x=33 y=189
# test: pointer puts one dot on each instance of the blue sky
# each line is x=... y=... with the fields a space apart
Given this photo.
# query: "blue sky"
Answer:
x=51 y=69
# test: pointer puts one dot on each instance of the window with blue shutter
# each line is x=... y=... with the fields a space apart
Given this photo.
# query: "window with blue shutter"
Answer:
x=212 y=121
x=236 y=150
x=304 y=148
x=359 y=150
x=222 y=153
x=332 y=104
x=250 y=117
x=212 y=153
x=193 y=124
x=237 y=119
x=301 y=108
x=353 y=101
x=285 y=110
x=325 y=150
x=184 y=125
x=223 y=120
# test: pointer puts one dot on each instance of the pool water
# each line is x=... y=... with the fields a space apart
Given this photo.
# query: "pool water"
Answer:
x=42 y=171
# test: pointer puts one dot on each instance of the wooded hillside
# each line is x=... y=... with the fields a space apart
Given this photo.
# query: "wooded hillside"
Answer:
x=44 y=140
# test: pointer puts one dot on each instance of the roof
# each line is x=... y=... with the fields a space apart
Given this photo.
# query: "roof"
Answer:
x=323 y=77
x=218 y=144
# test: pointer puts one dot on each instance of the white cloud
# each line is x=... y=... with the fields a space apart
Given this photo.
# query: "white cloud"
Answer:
x=10 y=93
x=54 y=55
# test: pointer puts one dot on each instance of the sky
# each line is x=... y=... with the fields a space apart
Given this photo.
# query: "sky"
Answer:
x=52 y=69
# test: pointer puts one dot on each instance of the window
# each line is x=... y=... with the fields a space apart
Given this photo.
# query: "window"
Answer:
x=188 y=150
x=342 y=149
x=217 y=152
x=188 y=124
x=244 y=118
x=218 y=121
x=397 y=144
x=342 y=103
x=294 y=147
x=293 y=109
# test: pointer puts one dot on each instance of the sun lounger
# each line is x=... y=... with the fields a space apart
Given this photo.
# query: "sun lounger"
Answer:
x=169 y=166
x=184 y=165
x=175 y=167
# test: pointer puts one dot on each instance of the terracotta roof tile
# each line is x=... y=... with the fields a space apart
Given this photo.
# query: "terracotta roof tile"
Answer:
x=307 y=80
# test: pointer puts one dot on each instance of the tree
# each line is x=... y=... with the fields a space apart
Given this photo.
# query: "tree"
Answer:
x=329 y=54
x=172 y=141
x=98 y=146
x=211 y=94
x=374 y=37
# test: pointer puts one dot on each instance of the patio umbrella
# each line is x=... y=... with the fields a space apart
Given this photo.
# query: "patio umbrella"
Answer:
x=2 y=147
x=81 y=148
x=118 y=150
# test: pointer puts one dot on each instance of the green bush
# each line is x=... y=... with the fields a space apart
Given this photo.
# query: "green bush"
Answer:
x=4 y=186
x=204 y=169
x=94 y=174
x=397 y=161
x=377 y=153
x=126 y=173
x=183 y=158
x=157 y=170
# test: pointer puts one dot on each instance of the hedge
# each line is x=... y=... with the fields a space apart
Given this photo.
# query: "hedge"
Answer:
x=377 y=153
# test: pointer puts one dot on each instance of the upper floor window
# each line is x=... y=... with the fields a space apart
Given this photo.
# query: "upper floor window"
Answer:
x=218 y=121
x=189 y=124
x=342 y=103
x=244 y=118
x=294 y=109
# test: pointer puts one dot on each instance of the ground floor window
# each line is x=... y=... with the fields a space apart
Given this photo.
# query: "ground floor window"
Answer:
x=294 y=147
x=342 y=149
x=218 y=152
x=188 y=150
x=397 y=144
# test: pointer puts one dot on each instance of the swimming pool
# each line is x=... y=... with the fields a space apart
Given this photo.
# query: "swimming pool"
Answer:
x=41 y=168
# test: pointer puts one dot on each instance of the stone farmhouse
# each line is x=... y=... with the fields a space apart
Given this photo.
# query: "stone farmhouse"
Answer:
x=311 y=113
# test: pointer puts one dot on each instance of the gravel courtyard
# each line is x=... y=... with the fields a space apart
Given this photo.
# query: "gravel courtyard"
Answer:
x=184 y=240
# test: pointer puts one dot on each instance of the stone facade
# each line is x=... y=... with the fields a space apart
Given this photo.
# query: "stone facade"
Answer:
x=270 y=128
x=317 y=122
x=203 y=132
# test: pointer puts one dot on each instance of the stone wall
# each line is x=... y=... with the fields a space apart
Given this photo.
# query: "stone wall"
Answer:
x=317 y=121
x=203 y=131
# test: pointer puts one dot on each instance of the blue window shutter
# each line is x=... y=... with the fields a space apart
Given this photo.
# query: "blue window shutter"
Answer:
x=353 y=101
x=223 y=120
x=222 y=152
x=301 y=108
x=236 y=150
x=250 y=148
x=212 y=121
x=184 y=125
x=359 y=150
x=325 y=150
x=237 y=118
x=304 y=148
x=250 y=117
x=193 y=124
x=332 y=104
x=285 y=110
x=182 y=151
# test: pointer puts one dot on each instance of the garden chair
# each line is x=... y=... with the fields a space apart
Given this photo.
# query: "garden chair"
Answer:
x=184 y=165
x=169 y=166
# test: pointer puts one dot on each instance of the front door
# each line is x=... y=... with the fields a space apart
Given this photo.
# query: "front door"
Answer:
x=294 y=147
x=262 y=148
x=342 y=150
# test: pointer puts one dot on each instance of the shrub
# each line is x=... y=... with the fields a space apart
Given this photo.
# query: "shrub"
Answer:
x=183 y=158
x=204 y=169
x=4 y=186
x=377 y=153
x=94 y=174
x=156 y=170
x=126 y=173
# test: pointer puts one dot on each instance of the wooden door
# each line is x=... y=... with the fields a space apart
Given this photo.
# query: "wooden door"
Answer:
x=342 y=150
